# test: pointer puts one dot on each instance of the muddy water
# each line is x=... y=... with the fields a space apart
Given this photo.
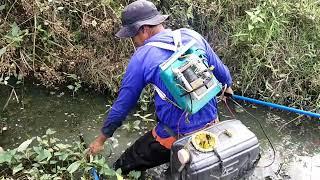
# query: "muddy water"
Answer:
x=296 y=140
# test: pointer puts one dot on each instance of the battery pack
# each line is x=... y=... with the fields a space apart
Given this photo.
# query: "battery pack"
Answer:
x=236 y=152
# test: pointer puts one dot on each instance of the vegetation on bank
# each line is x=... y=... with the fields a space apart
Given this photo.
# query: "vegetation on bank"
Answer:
x=49 y=158
x=271 y=47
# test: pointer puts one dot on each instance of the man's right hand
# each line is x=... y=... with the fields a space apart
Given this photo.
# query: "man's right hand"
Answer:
x=228 y=92
x=97 y=145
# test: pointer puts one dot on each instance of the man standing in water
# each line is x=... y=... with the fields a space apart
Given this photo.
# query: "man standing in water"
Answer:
x=142 y=22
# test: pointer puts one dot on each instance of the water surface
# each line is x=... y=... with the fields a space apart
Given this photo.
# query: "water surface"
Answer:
x=297 y=143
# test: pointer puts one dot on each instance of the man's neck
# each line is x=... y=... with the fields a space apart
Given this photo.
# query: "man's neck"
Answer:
x=157 y=30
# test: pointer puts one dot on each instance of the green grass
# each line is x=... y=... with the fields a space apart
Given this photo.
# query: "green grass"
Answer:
x=271 y=47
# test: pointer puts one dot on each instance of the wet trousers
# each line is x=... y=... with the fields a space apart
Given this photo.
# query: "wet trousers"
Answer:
x=145 y=153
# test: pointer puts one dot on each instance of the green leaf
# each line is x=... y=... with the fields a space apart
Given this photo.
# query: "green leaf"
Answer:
x=73 y=76
x=63 y=146
x=23 y=146
x=5 y=157
x=53 y=162
x=36 y=165
x=39 y=139
x=63 y=169
x=73 y=167
x=119 y=177
x=144 y=107
x=250 y=13
x=108 y=171
x=15 y=30
x=2 y=7
x=189 y=12
x=46 y=177
x=2 y=51
x=259 y=19
x=43 y=154
x=106 y=2
x=49 y=132
x=17 y=169
x=63 y=157
x=20 y=76
x=134 y=174
x=136 y=124
x=250 y=27
x=18 y=157
x=87 y=169
x=126 y=126
x=70 y=87
x=47 y=154
x=37 y=149
x=148 y=115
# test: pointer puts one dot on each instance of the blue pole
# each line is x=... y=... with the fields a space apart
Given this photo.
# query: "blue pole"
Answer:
x=286 y=108
x=94 y=173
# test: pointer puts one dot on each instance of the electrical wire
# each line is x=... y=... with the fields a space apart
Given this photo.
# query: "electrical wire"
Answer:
x=185 y=114
x=270 y=143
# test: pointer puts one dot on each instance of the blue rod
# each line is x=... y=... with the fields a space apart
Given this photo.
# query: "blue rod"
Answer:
x=278 y=106
x=94 y=173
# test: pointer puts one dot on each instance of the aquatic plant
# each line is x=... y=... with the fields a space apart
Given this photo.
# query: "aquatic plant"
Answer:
x=76 y=84
x=46 y=157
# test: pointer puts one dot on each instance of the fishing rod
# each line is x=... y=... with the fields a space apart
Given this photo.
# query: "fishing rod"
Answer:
x=93 y=171
x=277 y=106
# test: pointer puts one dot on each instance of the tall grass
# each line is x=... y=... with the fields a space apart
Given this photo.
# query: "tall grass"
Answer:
x=47 y=39
x=278 y=44
x=271 y=47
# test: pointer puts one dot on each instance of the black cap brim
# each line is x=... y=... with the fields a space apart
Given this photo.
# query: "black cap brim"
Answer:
x=132 y=30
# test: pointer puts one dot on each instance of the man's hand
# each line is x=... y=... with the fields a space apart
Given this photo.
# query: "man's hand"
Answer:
x=97 y=145
x=226 y=93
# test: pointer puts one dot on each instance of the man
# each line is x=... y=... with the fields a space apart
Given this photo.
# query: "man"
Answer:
x=143 y=23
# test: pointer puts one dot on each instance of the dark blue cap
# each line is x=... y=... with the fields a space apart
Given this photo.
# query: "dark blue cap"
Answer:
x=137 y=14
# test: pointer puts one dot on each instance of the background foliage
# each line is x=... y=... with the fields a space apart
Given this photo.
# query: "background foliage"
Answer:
x=271 y=47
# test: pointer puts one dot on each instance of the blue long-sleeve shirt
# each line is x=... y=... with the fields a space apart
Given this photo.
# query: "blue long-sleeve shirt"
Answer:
x=143 y=69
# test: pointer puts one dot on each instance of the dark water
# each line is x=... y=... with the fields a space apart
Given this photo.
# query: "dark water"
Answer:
x=297 y=143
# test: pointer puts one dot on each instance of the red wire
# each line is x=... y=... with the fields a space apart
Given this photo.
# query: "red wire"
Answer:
x=226 y=104
x=179 y=123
